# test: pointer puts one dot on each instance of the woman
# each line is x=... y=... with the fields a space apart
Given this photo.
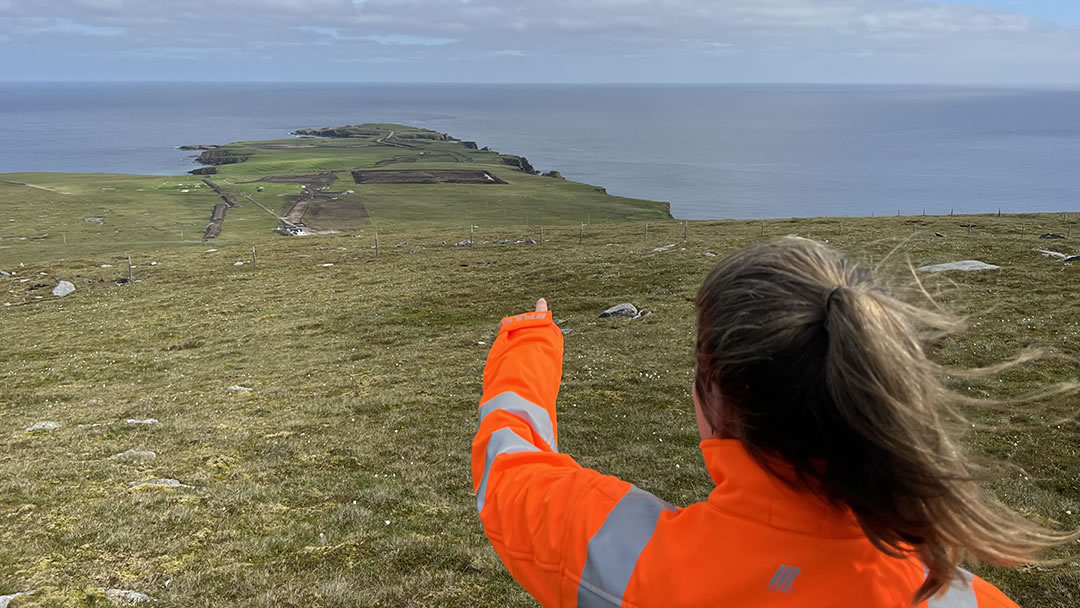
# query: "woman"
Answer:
x=823 y=426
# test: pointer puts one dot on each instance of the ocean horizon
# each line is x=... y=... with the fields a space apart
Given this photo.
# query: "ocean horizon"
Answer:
x=712 y=151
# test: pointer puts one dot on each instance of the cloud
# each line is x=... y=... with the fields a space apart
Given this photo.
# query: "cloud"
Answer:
x=900 y=40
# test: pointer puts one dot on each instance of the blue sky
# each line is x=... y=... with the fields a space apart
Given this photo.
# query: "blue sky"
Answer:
x=1008 y=42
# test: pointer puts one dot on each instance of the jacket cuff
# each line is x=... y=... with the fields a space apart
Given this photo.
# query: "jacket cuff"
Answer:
x=525 y=320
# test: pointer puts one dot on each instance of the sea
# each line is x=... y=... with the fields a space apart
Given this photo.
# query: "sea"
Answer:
x=716 y=151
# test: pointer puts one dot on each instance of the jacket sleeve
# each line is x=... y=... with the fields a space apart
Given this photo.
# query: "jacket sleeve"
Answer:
x=538 y=507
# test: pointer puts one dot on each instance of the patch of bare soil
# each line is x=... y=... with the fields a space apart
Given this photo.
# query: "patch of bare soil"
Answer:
x=336 y=213
x=409 y=176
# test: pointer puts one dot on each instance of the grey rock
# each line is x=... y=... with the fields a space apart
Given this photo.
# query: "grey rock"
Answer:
x=134 y=455
x=465 y=243
x=126 y=596
x=1052 y=254
x=149 y=421
x=621 y=310
x=1051 y=235
x=939 y=234
x=400 y=245
x=964 y=265
x=529 y=241
x=664 y=248
x=1072 y=258
x=710 y=254
x=168 y=483
x=62 y=289
x=502 y=242
x=6 y=599
x=4 y=274
x=100 y=221
x=565 y=331
x=45 y=425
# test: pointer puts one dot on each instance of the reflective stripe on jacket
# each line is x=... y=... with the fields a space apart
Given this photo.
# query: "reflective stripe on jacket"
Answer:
x=574 y=537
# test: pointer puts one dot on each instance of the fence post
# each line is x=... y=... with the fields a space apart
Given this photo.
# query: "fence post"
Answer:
x=1021 y=230
x=762 y=227
x=254 y=260
x=646 y=232
x=581 y=234
x=999 y=211
x=377 y=243
x=684 y=231
x=840 y=228
x=470 y=235
x=131 y=277
x=541 y=236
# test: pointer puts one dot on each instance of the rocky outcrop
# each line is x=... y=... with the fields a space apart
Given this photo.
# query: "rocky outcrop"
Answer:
x=340 y=132
x=520 y=162
x=554 y=174
x=204 y=171
x=221 y=156
x=469 y=145
x=197 y=147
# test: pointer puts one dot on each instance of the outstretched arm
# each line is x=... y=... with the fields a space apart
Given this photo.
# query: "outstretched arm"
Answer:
x=541 y=510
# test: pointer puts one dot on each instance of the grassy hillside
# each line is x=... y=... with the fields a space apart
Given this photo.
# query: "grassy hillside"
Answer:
x=341 y=477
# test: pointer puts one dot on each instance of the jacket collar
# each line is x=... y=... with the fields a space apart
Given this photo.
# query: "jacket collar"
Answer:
x=746 y=490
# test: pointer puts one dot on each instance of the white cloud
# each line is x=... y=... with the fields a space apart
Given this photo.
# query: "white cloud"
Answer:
x=907 y=39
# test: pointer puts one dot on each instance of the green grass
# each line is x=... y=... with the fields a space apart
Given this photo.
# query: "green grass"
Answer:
x=366 y=376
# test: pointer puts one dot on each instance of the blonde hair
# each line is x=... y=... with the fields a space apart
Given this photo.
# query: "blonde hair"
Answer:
x=816 y=366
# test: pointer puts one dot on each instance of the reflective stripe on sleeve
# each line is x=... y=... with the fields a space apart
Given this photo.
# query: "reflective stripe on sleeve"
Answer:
x=536 y=416
x=614 y=550
x=502 y=441
x=961 y=594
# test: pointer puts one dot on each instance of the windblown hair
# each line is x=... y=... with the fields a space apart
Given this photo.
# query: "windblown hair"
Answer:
x=807 y=361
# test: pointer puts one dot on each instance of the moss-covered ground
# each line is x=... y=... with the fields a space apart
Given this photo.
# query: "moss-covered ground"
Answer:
x=341 y=477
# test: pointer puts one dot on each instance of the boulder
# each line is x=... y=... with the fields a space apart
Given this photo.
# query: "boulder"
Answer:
x=502 y=242
x=621 y=310
x=1051 y=235
x=148 y=421
x=45 y=425
x=964 y=265
x=1052 y=254
x=63 y=288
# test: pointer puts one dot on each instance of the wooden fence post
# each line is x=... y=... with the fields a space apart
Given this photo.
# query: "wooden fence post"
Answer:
x=684 y=231
x=131 y=277
x=377 y=243
x=470 y=235
x=254 y=260
x=581 y=234
x=541 y=236
x=762 y=227
x=646 y=232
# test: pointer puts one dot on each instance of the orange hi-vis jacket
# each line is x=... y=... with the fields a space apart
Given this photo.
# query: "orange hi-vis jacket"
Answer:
x=574 y=537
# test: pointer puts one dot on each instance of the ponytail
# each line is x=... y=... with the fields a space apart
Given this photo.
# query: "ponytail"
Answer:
x=822 y=370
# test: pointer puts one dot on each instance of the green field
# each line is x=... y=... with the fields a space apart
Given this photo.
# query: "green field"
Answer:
x=341 y=477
